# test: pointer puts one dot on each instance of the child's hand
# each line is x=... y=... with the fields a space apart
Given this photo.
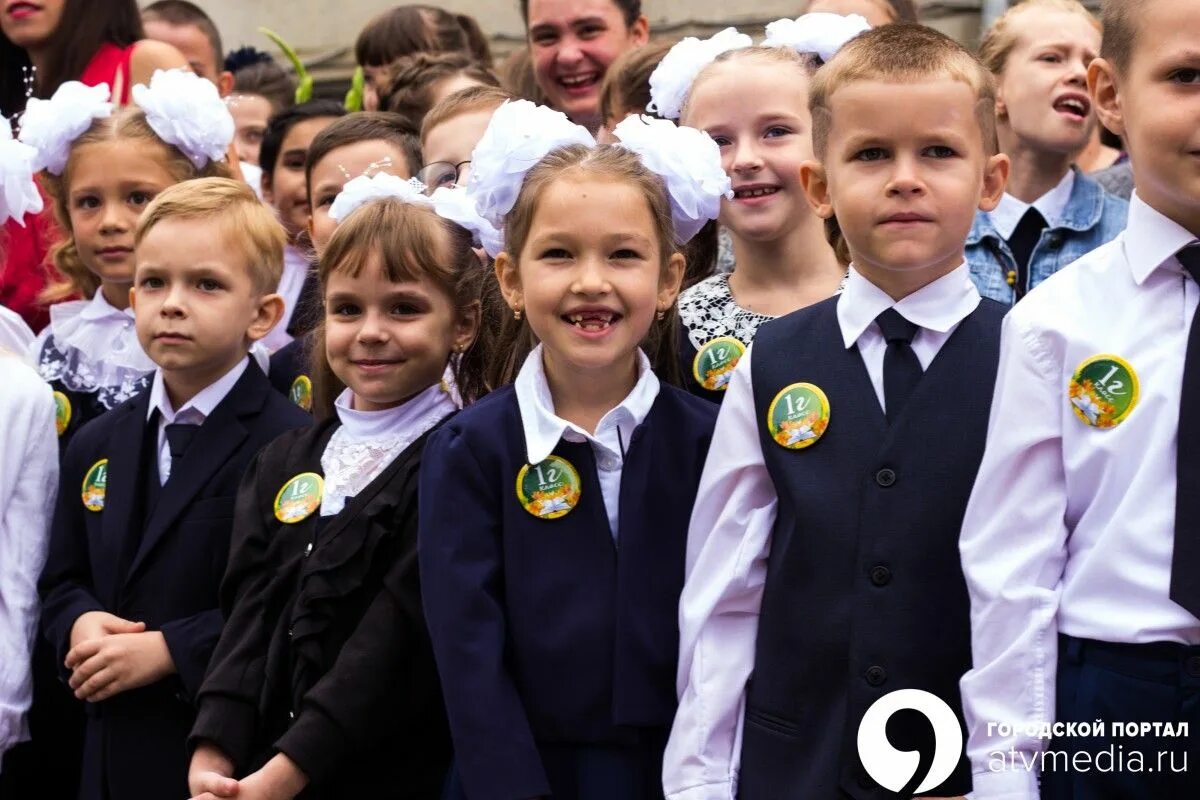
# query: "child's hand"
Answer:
x=118 y=662
x=209 y=774
x=279 y=779
x=95 y=624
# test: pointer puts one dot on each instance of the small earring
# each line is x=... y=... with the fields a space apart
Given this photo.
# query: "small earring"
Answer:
x=516 y=313
x=661 y=315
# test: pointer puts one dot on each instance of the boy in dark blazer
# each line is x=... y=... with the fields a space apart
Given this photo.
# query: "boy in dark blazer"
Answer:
x=823 y=547
x=141 y=531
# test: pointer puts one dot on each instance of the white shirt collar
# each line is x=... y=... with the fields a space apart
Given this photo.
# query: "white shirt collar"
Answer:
x=202 y=405
x=99 y=308
x=544 y=428
x=938 y=306
x=1050 y=205
x=1151 y=240
x=367 y=425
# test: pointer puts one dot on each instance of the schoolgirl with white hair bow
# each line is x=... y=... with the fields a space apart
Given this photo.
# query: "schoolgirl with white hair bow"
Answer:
x=554 y=511
x=753 y=101
x=102 y=166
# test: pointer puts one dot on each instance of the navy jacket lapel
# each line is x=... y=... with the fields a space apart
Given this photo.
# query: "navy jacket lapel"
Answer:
x=121 y=518
x=218 y=439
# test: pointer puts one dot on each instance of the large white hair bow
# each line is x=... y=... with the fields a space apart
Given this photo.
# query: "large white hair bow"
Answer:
x=672 y=79
x=519 y=135
x=688 y=161
x=18 y=193
x=821 y=33
x=456 y=205
x=186 y=111
x=51 y=126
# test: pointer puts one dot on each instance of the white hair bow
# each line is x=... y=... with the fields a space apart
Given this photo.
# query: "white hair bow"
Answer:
x=18 y=193
x=672 y=79
x=186 y=111
x=821 y=33
x=51 y=126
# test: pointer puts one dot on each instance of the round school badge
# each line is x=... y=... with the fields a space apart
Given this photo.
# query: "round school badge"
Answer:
x=301 y=392
x=798 y=416
x=299 y=498
x=95 y=484
x=714 y=362
x=1103 y=391
x=549 y=490
x=62 y=412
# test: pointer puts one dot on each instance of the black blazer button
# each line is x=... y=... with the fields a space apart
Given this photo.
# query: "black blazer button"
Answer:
x=881 y=575
x=885 y=477
x=876 y=676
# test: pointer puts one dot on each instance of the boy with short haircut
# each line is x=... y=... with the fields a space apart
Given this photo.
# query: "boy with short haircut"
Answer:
x=1081 y=542
x=140 y=535
x=823 y=549
x=194 y=34
x=451 y=130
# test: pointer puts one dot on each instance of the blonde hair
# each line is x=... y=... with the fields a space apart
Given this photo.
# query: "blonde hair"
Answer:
x=1002 y=37
x=247 y=223
x=410 y=241
x=464 y=101
x=128 y=124
x=901 y=53
x=806 y=63
x=612 y=162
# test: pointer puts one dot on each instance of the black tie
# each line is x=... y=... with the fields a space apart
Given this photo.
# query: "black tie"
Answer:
x=1185 y=563
x=901 y=369
x=1022 y=242
x=179 y=436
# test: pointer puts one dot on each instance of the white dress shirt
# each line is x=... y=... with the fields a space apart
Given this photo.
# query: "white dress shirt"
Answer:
x=193 y=412
x=729 y=540
x=1070 y=528
x=368 y=441
x=1051 y=205
x=295 y=271
x=543 y=428
x=28 y=485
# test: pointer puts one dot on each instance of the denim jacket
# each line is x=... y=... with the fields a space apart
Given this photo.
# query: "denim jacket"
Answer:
x=1091 y=218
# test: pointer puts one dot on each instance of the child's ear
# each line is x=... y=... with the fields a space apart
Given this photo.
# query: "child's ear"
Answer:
x=1106 y=99
x=816 y=188
x=995 y=179
x=509 y=279
x=266 y=316
x=672 y=279
x=466 y=328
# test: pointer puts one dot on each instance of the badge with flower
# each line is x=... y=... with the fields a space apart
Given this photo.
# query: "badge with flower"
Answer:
x=549 y=489
x=1103 y=391
x=299 y=498
x=95 y=486
x=798 y=416
x=714 y=362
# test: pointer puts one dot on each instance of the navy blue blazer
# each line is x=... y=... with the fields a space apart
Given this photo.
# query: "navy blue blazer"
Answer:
x=546 y=631
x=176 y=555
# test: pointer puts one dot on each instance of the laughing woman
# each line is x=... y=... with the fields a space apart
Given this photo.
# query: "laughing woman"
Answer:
x=573 y=42
x=1052 y=213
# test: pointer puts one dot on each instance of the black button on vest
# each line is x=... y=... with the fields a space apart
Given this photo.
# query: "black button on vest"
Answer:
x=876 y=676
x=881 y=575
x=885 y=477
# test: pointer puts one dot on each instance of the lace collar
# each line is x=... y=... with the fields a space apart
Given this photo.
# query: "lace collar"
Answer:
x=367 y=441
x=708 y=310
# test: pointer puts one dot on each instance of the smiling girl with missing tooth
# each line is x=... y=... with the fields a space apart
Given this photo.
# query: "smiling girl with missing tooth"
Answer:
x=735 y=93
x=554 y=511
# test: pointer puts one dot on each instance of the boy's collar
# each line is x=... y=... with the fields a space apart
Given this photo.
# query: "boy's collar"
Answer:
x=204 y=401
x=1151 y=239
x=937 y=306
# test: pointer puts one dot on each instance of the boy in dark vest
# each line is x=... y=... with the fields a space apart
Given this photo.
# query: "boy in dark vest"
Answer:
x=1081 y=543
x=823 y=563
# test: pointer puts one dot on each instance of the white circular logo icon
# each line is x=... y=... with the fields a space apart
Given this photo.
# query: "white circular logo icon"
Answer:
x=894 y=769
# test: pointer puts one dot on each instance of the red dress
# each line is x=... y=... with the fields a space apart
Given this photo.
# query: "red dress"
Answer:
x=24 y=250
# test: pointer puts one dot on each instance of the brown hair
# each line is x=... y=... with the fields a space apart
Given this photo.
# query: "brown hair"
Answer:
x=901 y=52
x=125 y=124
x=413 y=79
x=1000 y=39
x=902 y=10
x=626 y=84
x=476 y=98
x=366 y=126
x=411 y=241
x=630 y=10
x=1120 y=32
x=267 y=80
x=805 y=62
x=408 y=29
x=516 y=339
x=247 y=223
x=182 y=12
x=516 y=75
